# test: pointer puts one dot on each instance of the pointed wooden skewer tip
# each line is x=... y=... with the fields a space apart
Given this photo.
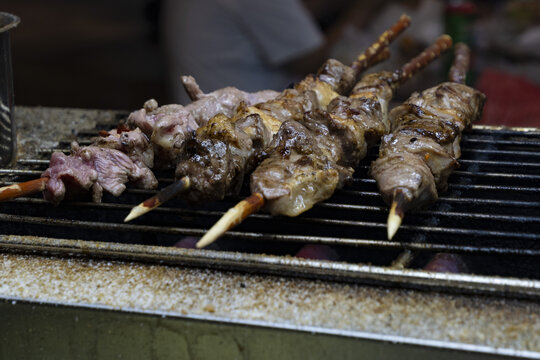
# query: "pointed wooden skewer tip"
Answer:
x=231 y=218
x=14 y=191
x=393 y=222
x=161 y=197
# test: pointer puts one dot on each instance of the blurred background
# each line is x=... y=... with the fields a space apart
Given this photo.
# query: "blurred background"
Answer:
x=116 y=54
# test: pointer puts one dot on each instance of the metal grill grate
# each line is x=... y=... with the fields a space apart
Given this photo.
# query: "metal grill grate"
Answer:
x=490 y=215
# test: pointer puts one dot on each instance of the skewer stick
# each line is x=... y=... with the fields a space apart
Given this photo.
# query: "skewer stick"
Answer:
x=23 y=189
x=395 y=217
x=161 y=197
x=232 y=217
x=443 y=43
x=462 y=61
x=385 y=54
x=363 y=61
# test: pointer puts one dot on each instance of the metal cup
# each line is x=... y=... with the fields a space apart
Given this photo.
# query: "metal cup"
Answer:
x=7 y=128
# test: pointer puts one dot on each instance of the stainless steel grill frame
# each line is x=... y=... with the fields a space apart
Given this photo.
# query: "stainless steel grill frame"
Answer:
x=490 y=213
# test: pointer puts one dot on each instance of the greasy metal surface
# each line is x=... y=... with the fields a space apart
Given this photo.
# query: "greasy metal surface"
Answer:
x=7 y=126
x=490 y=214
x=281 y=265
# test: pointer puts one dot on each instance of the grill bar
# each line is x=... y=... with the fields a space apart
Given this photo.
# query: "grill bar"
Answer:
x=493 y=188
x=528 y=204
x=499 y=152
x=289 y=266
x=365 y=168
x=179 y=231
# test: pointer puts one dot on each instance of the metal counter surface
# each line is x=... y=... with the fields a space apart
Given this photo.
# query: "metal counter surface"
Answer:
x=218 y=298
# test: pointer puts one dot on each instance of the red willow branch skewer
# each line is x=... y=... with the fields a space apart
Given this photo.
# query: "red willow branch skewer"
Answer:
x=417 y=158
x=377 y=52
x=253 y=203
x=14 y=191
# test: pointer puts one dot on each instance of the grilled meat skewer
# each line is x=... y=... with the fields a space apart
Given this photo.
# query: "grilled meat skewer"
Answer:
x=311 y=158
x=227 y=147
x=155 y=138
x=417 y=158
x=165 y=126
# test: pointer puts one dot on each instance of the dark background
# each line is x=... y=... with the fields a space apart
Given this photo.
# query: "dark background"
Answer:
x=86 y=53
x=106 y=55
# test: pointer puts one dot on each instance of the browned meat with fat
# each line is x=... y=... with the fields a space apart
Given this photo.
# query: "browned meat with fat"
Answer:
x=339 y=76
x=294 y=178
x=93 y=168
x=298 y=174
x=406 y=173
x=439 y=159
x=221 y=153
x=418 y=157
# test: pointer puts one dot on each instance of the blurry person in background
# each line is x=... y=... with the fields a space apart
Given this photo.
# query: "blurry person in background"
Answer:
x=253 y=44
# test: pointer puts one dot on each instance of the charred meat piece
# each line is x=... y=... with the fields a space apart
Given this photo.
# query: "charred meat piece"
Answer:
x=222 y=151
x=439 y=159
x=407 y=175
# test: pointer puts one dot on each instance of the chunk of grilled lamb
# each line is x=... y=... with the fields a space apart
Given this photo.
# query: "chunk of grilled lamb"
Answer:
x=93 y=168
x=221 y=154
x=298 y=174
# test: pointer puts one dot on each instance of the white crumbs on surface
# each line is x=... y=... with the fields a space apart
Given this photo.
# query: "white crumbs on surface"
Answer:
x=189 y=291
